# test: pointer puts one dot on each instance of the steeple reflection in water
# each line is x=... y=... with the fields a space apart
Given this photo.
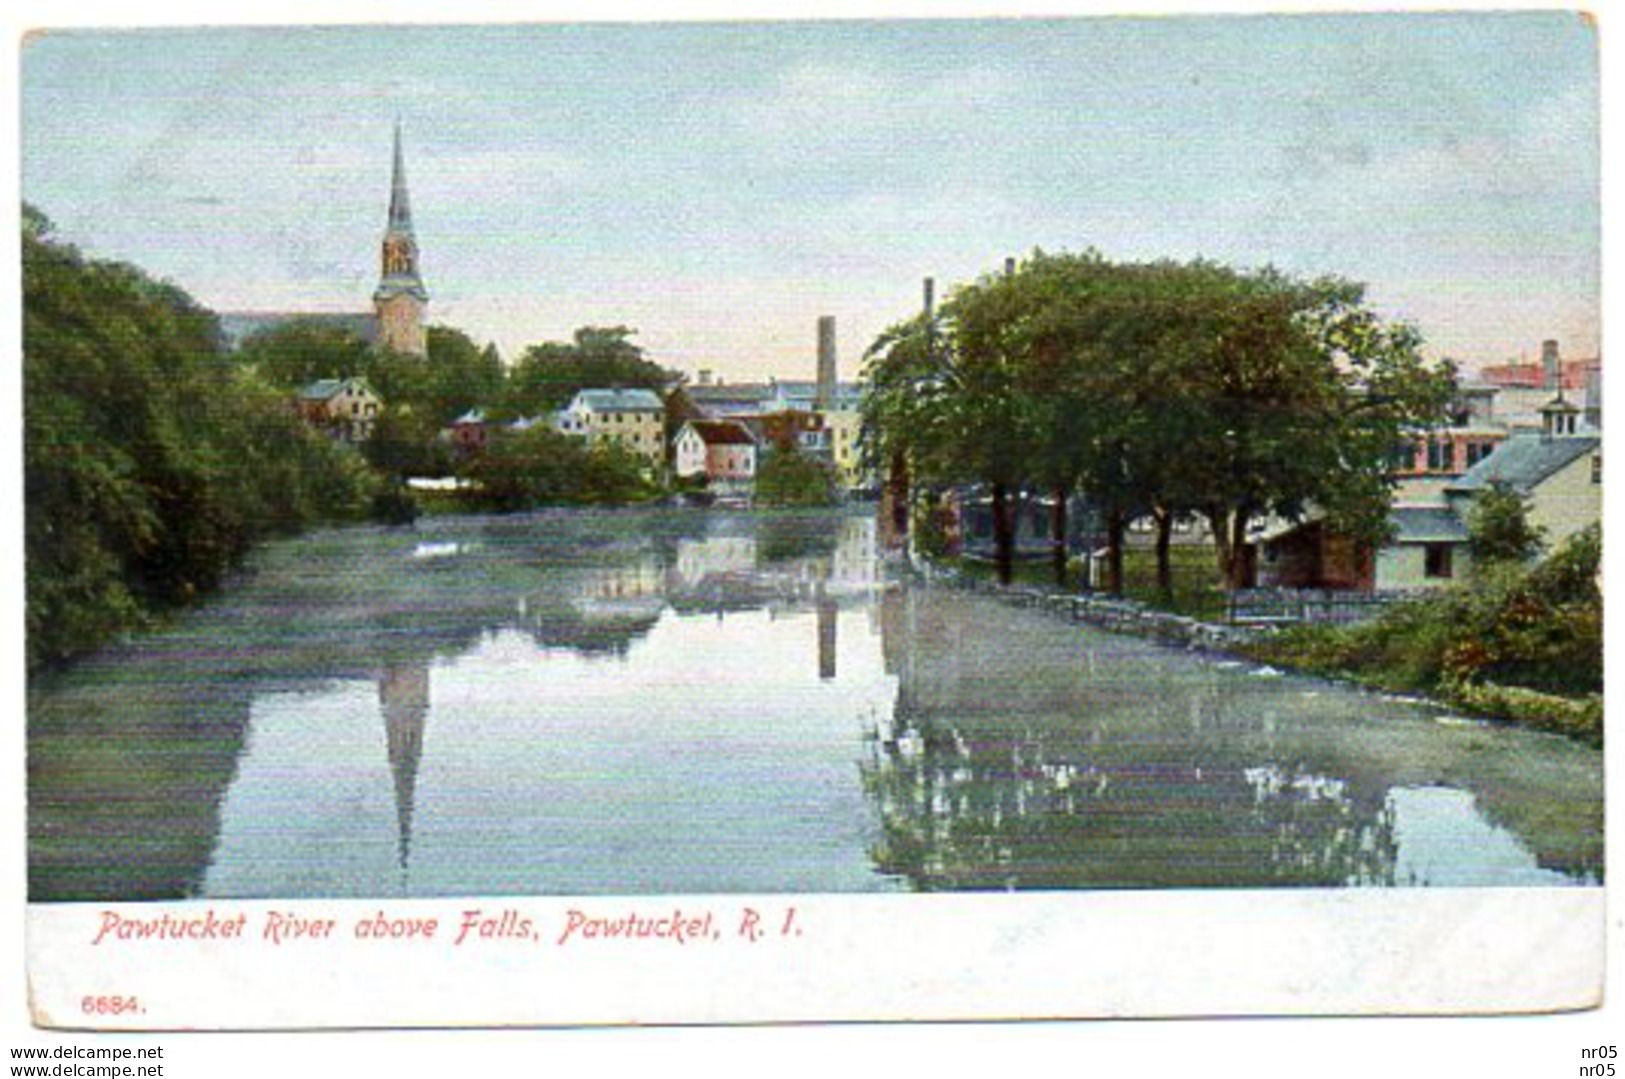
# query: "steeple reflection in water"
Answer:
x=403 y=697
x=675 y=701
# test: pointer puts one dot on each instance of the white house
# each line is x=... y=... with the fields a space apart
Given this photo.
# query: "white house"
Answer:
x=720 y=450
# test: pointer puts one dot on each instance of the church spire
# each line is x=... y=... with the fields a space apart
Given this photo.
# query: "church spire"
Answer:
x=400 y=206
x=400 y=296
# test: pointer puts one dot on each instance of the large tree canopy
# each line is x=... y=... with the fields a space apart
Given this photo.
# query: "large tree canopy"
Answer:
x=151 y=460
x=1159 y=388
x=548 y=375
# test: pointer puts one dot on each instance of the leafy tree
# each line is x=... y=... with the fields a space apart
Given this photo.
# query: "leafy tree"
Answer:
x=906 y=372
x=298 y=352
x=461 y=375
x=151 y=459
x=523 y=469
x=1163 y=388
x=539 y=466
x=1498 y=527
x=613 y=475
x=548 y=375
x=788 y=477
x=406 y=442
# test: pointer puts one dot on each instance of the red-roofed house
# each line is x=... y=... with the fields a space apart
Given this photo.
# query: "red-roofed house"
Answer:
x=720 y=450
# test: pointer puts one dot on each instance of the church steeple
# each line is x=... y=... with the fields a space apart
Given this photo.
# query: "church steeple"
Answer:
x=400 y=296
x=400 y=205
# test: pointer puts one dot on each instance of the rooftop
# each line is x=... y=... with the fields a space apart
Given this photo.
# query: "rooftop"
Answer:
x=618 y=400
x=1427 y=524
x=324 y=388
x=722 y=433
x=1525 y=461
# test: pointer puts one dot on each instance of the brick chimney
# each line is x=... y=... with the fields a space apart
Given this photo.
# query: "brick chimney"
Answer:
x=826 y=364
x=1551 y=367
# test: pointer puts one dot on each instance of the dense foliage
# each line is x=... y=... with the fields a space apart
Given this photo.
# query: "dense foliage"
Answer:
x=1499 y=529
x=151 y=460
x=547 y=376
x=788 y=477
x=523 y=470
x=1534 y=627
x=1164 y=389
x=454 y=375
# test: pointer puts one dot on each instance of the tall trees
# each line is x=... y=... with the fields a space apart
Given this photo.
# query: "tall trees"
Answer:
x=1164 y=389
x=1499 y=529
x=151 y=460
x=298 y=352
x=546 y=376
x=539 y=467
x=909 y=386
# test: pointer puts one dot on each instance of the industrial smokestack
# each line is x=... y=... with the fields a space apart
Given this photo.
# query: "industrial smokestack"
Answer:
x=930 y=297
x=1010 y=266
x=826 y=364
x=1550 y=366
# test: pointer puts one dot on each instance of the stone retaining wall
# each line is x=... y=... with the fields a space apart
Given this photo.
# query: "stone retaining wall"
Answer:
x=1109 y=613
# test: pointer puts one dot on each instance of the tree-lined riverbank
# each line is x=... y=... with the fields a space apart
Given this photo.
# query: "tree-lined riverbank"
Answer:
x=152 y=462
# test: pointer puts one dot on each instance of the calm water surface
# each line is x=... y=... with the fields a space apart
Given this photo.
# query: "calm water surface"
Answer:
x=675 y=701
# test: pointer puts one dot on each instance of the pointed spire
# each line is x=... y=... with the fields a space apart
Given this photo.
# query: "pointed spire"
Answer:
x=399 y=274
x=400 y=206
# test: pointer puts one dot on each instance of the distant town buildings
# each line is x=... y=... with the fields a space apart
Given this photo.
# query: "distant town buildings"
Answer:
x=631 y=419
x=344 y=408
x=1517 y=425
x=722 y=451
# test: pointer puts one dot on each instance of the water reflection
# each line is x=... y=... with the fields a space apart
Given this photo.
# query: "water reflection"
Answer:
x=403 y=697
x=683 y=701
x=1129 y=766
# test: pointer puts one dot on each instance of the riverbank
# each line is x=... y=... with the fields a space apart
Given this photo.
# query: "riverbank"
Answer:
x=1115 y=614
x=1325 y=651
x=1304 y=649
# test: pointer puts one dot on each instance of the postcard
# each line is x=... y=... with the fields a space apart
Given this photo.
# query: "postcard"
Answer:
x=736 y=522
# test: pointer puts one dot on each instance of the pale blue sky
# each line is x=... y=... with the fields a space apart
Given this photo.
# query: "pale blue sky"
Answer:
x=720 y=186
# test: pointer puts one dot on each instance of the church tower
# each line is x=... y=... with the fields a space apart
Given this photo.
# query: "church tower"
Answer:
x=400 y=297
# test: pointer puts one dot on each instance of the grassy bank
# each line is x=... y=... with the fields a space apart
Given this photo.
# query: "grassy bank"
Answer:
x=1514 y=642
x=1196 y=590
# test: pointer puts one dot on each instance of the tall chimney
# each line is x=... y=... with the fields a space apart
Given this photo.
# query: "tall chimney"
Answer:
x=1551 y=368
x=1010 y=266
x=930 y=297
x=826 y=364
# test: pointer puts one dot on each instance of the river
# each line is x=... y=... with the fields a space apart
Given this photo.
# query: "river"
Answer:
x=653 y=701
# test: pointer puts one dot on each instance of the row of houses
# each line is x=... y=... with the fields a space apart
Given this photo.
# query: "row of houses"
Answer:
x=721 y=438
x=1535 y=428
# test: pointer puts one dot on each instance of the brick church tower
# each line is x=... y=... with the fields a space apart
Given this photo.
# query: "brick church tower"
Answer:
x=400 y=297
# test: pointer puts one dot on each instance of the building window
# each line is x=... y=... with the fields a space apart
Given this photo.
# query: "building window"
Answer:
x=1436 y=561
x=1477 y=451
x=1440 y=457
x=1596 y=468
